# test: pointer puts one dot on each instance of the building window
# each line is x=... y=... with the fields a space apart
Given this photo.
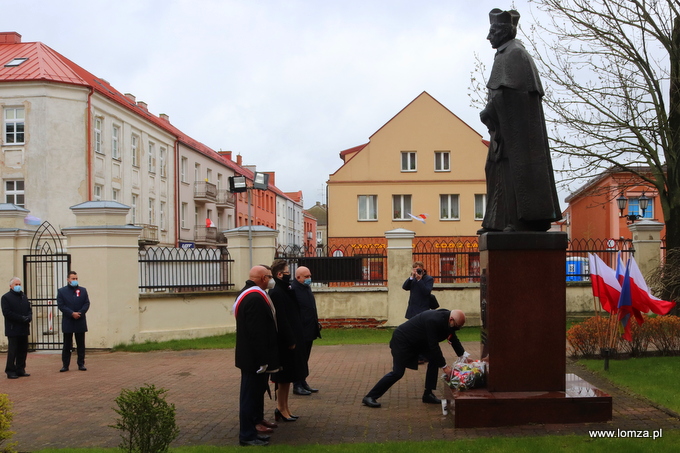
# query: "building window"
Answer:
x=184 y=167
x=319 y=237
x=14 y=192
x=197 y=172
x=163 y=158
x=368 y=207
x=162 y=216
x=97 y=192
x=133 y=209
x=152 y=158
x=401 y=207
x=152 y=211
x=135 y=150
x=442 y=161
x=219 y=181
x=115 y=194
x=195 y=217
x=115 y=152
x=634 y=207
x=208 y=175
x=98 y=136
x=449 y=208
x=480 y=206
x=408 y=161
x=14 y=125
x=183 y=215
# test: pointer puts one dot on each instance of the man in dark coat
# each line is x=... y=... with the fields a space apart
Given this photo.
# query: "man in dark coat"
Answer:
x=256 y=352
x=420 y=335
x=520 y=185
x=311 y=329
x=420 y=285
x=16 y=309
x=73 y=302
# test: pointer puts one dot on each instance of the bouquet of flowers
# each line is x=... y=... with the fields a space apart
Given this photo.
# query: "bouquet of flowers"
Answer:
x=465 y=376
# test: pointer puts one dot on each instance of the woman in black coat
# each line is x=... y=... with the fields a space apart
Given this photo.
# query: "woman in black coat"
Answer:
x=289 y=323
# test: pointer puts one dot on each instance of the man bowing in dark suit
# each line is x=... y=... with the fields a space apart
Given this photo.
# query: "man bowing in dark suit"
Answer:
x=420 y=335
x=73 y=302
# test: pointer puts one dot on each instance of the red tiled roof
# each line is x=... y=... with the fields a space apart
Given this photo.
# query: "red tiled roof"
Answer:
x=356 y=149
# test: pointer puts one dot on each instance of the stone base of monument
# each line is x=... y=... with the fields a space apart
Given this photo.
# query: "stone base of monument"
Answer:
x=581 y=402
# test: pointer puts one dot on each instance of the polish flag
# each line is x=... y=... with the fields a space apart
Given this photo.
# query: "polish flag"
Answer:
x=626 y=306
x=605 y=285
x=209 y=223
x=642 y=298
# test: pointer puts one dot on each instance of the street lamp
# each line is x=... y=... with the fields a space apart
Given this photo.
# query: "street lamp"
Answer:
x=643 y=203
x=240 y=184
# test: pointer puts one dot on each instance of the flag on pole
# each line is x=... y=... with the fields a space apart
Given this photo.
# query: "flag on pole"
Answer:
x=209 y=223
x=642 y=299
x=419 y=217
x=625 y=306
x=620 y=268
x=605 y=285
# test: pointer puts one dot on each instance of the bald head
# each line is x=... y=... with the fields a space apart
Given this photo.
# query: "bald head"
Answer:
x=302 y=273
x=456 y=318
x=260 y=275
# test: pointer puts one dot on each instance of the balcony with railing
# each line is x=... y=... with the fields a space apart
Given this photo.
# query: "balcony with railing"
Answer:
x=204 y=192
x=225 y=199
x=149 y=235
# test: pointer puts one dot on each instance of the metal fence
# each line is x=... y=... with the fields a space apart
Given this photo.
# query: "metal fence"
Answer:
x=453 y=260
x=165 y=269
x=339 y=265
x=578 y=268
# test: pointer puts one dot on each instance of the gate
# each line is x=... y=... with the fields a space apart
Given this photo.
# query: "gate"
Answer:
x=45 y=271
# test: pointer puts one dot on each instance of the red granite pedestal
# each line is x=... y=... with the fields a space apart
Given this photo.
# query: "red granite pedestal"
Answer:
x=523 y=311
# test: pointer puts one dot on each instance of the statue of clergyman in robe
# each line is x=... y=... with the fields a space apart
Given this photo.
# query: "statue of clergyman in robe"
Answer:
x=520 y=185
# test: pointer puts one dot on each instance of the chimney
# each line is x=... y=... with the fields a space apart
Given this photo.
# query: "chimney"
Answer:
x=226 y=154
x=239 y=160
x=131 y=98
x=164 y=117
x=143 y=105
x=10 y=37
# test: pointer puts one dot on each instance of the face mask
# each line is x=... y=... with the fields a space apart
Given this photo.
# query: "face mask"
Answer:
x=17 y=289
x=270 y=283
x=285 y=278
x=308 y=281
x=74 y=283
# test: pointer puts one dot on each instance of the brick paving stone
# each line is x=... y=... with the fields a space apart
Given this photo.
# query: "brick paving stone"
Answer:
x=75 y=409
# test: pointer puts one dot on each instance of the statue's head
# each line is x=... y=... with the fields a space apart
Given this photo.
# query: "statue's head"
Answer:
x=503 y=26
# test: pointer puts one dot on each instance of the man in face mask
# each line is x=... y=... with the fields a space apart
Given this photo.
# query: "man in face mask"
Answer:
x=311 y=329
x=420 y=335
x=73 y=302
x=18 y=315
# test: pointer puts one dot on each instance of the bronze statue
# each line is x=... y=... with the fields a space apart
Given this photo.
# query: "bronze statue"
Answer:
x=520 y=185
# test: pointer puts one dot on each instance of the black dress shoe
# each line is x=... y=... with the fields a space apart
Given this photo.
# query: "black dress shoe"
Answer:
x=64 y=368
x=82 y=368
x=12 y=376
x=308 y=388
x=263 y=437
x=253 y=443
x=23 y=374
x=370 y=402
x=429 y=398
x=300 y=390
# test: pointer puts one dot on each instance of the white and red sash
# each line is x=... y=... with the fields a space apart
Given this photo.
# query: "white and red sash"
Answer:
x=251 y=290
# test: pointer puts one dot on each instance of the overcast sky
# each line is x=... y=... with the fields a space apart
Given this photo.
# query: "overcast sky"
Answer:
x=287 y=84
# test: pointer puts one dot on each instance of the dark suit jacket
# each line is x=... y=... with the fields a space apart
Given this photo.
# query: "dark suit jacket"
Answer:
x=419 y=299
x=308 y=313
x=422 y=335
x=70 y=300
x=256 y=335
x=15 y=307
x=290 y=333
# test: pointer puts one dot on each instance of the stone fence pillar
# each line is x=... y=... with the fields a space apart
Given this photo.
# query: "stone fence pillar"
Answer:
x=104 y=254
x=262 y=248
x=399 y=262
x=647 y=245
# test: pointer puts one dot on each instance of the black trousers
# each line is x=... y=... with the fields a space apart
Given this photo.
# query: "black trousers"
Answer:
x=397 y=373
x=68 y=347
x=251 y=403
x=306 y=351
x=17 y=350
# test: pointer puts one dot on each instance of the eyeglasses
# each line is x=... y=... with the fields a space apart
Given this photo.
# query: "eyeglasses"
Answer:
x=269 y=276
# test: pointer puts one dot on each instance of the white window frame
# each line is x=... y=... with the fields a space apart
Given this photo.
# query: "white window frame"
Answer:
x=449 y=204
x=367 y=201
x=184 y=167
x=152 y=211
x=480 y=199
x=162 y=216
x=97 y=192
x=183 y=215
x=401 y=203
x=115 y=194
x=12 y=194
x=98 y=135
x=15 y=116
x=442 y=161
x=133 y=209
x=163 y=164
x=409 y=161
x=197 y=172
x=134 y=145
x=115 y=149
x=152 y=157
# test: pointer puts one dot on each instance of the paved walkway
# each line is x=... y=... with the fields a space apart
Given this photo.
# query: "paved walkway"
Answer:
x=74 y=409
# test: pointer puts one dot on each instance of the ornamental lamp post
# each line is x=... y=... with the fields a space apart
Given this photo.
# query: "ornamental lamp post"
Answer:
x=643 y=203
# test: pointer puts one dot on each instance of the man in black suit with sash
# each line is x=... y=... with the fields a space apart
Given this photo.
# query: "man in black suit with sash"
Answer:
x=73 y=302
x=256 y=351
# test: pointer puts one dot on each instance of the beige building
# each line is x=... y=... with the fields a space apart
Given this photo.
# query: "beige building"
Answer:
x=424 y=162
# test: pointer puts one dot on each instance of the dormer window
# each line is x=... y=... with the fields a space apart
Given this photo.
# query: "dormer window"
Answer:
x=15 y=62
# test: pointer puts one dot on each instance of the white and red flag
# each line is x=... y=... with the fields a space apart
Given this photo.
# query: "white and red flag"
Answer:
x=606 y=286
